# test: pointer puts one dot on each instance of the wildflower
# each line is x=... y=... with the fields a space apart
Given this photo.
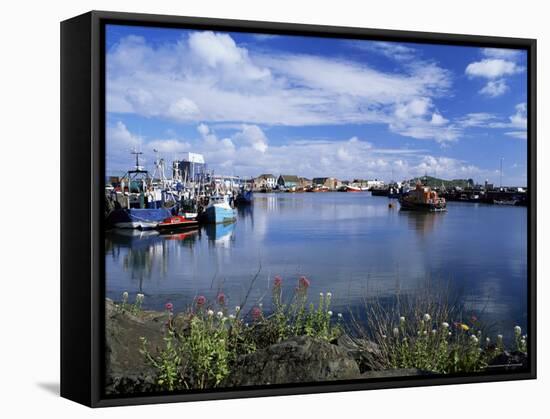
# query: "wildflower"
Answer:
x=445 y=325
x=140 y=297
x=278 y=281
x=523 y=342
x=169 y=306
x=449 y=334
x=321 y=294
x=517 y=330
x=384 y=336
x=304 y=283
x=125 y=296
x=474 y=338
x=427 y=317
x=329 y=294
x=201 y=300
x=499 y=338
x=329 y=313
x=261 y=305
x=488 y=340
x=210 y=313
x=424 y=332
x=256 y=313
x=237 y=309
x=221 y=298
x=434 y=331
x=396 y=331
x=219 y=314
x=402 y=319
x=231 y=316
x=464 y=327
x=340 y=315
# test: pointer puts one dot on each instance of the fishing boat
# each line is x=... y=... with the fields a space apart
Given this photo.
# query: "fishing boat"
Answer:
x=423 y=198
x=143 y=205
x=244 y=197
x=177 y=222
x=219 y=210
x=351 y=188
x=379 y=191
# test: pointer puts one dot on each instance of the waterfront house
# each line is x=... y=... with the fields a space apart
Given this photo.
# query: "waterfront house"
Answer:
x=288 y=181
x=304 y=183
x=265 y=181
x=326 y=182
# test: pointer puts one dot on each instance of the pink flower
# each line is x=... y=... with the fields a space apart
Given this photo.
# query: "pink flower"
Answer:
x=304 y=282
x=221 y=298
x=169 y=306
x=256 y=313
x=278 y=281
x=201 y=300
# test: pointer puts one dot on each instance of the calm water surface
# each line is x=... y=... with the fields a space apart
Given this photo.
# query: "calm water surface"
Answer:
x=352 y=245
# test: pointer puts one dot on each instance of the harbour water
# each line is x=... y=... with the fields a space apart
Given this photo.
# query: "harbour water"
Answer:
x=350 y=244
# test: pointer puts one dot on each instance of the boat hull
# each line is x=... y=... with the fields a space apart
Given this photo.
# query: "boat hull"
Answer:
x=219 y=214
x=177 y=222
x=138 y=218
x=421 y=206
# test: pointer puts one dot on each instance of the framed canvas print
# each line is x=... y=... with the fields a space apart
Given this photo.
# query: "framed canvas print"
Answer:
x=253 y=209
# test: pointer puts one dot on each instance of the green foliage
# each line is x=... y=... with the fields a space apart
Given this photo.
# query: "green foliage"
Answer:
x=426 y=332
x=125 y=306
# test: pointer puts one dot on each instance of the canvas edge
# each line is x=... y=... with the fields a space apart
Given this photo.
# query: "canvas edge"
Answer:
x=95 y=338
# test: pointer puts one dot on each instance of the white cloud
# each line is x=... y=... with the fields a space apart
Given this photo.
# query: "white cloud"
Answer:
x=393 y=50
x=522 y=135
x=495 y=67
x=208 y=77
x=254 y=136
x=518 y=120
x=419 y=119
x=476 y=119
x=504 y=53
x=492 y=68
x=516 y=123
x=494 y=88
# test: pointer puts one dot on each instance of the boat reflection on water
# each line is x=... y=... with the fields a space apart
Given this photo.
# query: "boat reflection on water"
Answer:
x=423 y=223
x=145 y=254
x=220 y=235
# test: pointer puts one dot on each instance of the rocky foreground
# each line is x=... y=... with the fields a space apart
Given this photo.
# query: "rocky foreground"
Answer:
x=300 y=359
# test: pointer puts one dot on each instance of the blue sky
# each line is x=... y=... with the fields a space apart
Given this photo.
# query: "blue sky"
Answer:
x=254 y=103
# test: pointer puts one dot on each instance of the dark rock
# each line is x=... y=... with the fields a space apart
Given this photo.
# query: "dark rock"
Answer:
x=126 y=369
x=363 y=351
x=397 y=372
x=509 y=361
x=297 y=360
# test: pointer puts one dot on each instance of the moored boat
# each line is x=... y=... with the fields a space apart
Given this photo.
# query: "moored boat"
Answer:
x=142 y=218
x=423 y=198
x=218 y=210
x=244 y=197
x=351 y=188
x=177 y=222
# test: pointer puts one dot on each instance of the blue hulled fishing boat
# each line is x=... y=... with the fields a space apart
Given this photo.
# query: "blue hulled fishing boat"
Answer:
x=219 y=210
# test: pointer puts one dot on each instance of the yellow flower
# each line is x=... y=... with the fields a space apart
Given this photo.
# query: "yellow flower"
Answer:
x=464 y=327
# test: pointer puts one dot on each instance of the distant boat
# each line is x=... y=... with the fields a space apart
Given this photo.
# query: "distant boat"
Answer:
x=423 y=198
x=218 y=210
x=379 y=191
x=176 y=222
x=244 y=197
x=505 y=202
x=350 y=188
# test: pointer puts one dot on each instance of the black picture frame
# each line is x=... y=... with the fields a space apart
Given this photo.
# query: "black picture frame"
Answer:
x=82 y=170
